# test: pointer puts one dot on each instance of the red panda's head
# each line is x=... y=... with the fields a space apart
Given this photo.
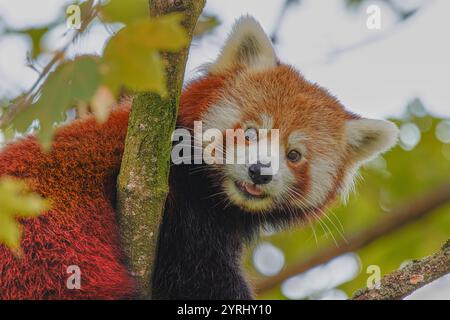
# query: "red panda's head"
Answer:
x=321 y=145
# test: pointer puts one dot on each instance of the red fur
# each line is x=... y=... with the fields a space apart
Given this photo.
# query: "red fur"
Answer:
x=80 y=229
x=198 y=96
x=79 y=175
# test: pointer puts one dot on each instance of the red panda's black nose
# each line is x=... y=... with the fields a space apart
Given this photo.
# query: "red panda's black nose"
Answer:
x=254 y=172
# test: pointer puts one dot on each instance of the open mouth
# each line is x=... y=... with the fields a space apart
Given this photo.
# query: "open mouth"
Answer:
x=250 y=190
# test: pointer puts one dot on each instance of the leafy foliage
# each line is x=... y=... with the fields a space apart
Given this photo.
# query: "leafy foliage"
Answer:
x=16 y=200
x=132 y=57
x=205 y=24
x=132 y=11
x=72 y=82
x=36 y=37
x=353 y=3
x=131 y=60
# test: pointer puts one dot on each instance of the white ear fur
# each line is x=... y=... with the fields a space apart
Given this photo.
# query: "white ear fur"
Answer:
x=246 y=45
x=368 y=138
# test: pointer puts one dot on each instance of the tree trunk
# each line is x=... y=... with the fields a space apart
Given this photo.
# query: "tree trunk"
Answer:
x=142 y=184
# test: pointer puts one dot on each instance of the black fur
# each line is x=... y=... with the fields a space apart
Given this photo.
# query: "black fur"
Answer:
x=202 y=238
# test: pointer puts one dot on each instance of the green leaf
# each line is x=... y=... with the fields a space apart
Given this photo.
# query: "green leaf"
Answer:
x=125 y=11
x=16 y=200
x=205 y=25
x=353 y=3
x=36 y=36
x=4 y=105
x=131 y=57
x=144 y=72
x=72 y=82
x=8 y=135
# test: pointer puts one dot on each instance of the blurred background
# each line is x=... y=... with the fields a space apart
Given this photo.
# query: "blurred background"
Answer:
x=400 y=71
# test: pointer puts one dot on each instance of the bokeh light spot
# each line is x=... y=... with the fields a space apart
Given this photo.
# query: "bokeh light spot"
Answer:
x=409 y=136
x=268 y=259
x=334 y=294
x=322 y=278
x=443 y=131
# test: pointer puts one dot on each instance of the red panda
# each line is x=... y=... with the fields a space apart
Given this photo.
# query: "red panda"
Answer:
x=212 y=210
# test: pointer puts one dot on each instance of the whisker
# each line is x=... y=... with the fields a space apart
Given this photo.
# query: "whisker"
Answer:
x=321 y=221
x=322 y=224
x=328 y=218
x=339 y=221
x=215 y=195
x=310 y=223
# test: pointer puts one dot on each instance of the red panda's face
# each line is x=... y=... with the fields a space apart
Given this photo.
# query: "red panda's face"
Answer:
x=319 y=145
x=310 y=158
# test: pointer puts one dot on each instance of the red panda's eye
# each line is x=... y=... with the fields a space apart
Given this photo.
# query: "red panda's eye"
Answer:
x=251 y=134
x=294 y=156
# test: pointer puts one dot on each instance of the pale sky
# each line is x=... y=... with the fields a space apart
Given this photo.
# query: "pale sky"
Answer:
x=377 y=80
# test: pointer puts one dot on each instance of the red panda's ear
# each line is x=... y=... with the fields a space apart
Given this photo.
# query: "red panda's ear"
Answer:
x=247 y=46
x=368 y=138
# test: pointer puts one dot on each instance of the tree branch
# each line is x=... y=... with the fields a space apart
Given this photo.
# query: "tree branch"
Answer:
x=27 y=98
x=279 y=20
x=142 y=184
x=406 y=214
x=403 y=282
x=403 y=15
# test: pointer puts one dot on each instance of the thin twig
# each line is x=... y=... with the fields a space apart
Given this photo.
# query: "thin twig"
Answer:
x=26 y=99
x=280 y=19
x=404 y=16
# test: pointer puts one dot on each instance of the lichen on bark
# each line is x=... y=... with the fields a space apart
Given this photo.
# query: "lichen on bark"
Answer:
x=401 y=283
x=142 y=184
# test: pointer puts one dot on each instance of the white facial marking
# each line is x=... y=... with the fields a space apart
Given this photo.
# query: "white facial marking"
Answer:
x=323 y=166
x=223 y=115
x=266 y=121
x=323 y=173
